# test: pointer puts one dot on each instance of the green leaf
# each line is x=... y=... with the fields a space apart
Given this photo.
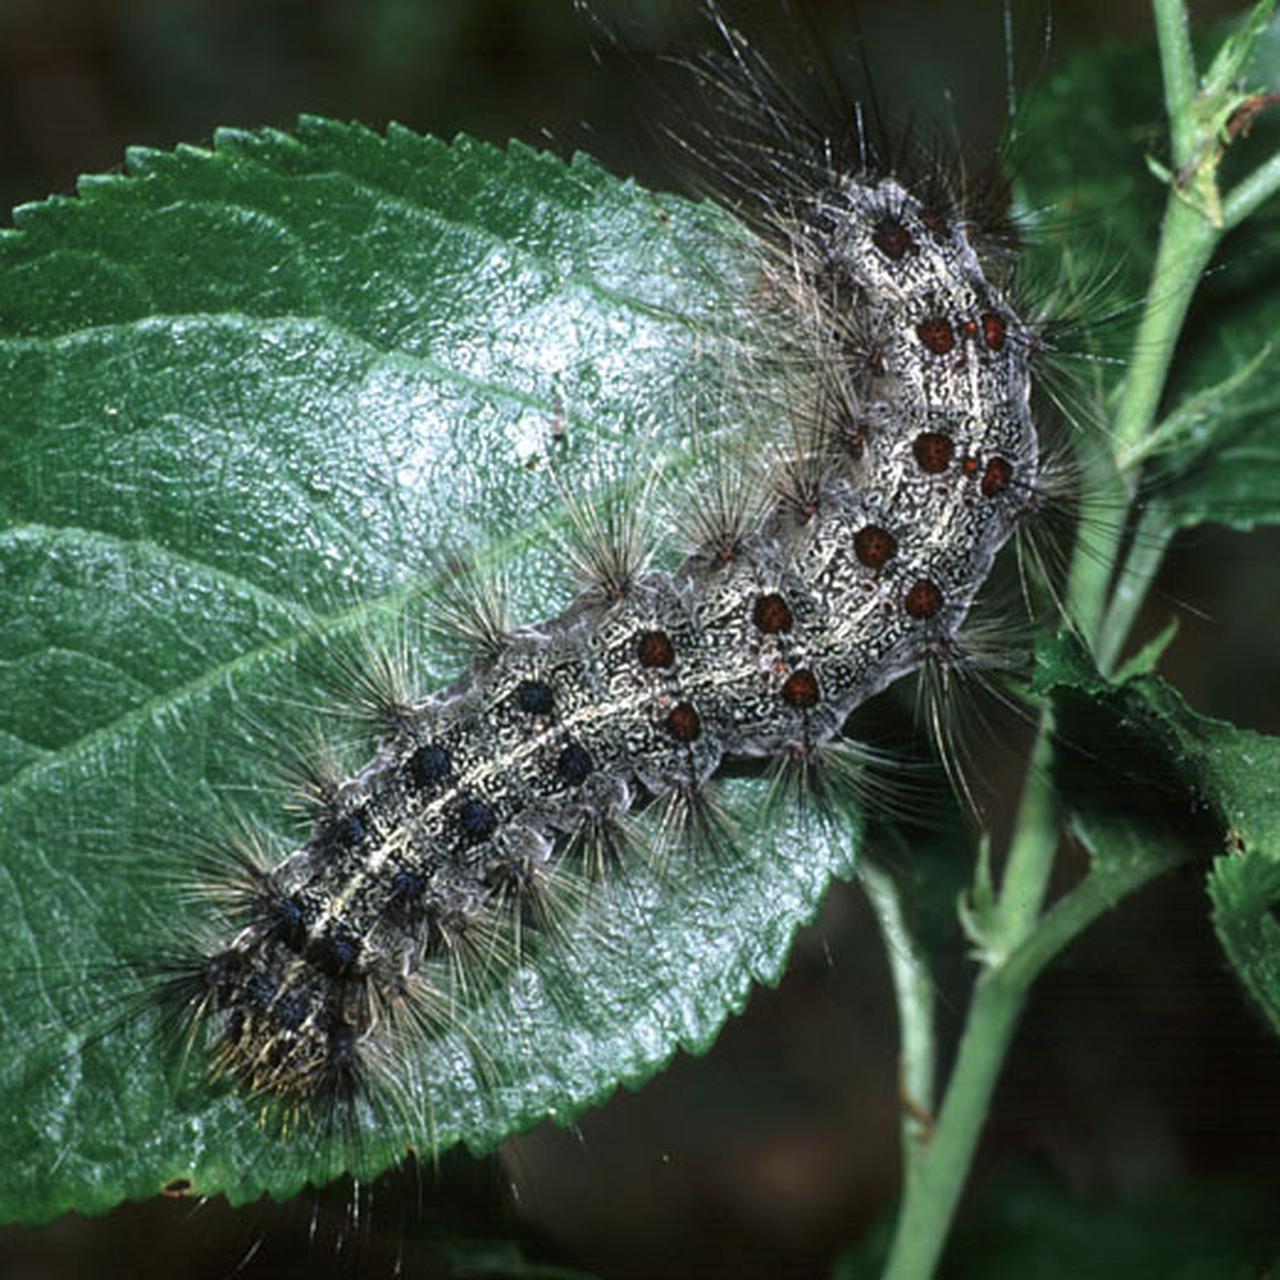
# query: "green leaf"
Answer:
x=1145 y=771
x=1227 y=771
x=1245 y=889
x=1146 y=659
x=248 y=393
x=1080 y=182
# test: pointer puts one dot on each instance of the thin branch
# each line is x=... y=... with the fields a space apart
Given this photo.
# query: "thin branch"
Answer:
x=913 y=990
x=1177 y=64
x=1252 y=192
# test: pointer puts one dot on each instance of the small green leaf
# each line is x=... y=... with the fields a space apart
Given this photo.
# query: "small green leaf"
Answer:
x=1245 y=888
x=978 y=906
x=1142 y=768
x=1214 y=766
x=249 y=392
x=1145 y=661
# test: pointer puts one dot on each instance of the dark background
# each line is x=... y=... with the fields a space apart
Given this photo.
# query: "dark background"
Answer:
x=1139 y=1073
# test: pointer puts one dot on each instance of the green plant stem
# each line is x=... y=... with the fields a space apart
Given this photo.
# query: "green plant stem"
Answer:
x=1251 y=192
x=913 y=989
x=1197 y=409
x=1026 y=873
x=1187 y=242
x=1146 y=554
x=936 y=1176
x=1074 y=912
x=1178 y=68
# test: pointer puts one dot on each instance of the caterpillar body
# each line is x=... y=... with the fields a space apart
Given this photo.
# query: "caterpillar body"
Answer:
x=648 y=681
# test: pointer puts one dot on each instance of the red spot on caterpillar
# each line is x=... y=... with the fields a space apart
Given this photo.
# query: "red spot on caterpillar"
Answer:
x=935 y=222
x=892 y=238
x=800 y=689
x=936 y=334
x=654 y=649
x=933 y=451
x=994 y=329
x=997 y=476
x=969 y=466
x=683 y=722
x=771 y=614
x=923 y=599
x=874 y=546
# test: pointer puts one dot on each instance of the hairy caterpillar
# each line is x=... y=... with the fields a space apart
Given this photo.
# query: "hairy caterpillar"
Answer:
x=815 y=439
